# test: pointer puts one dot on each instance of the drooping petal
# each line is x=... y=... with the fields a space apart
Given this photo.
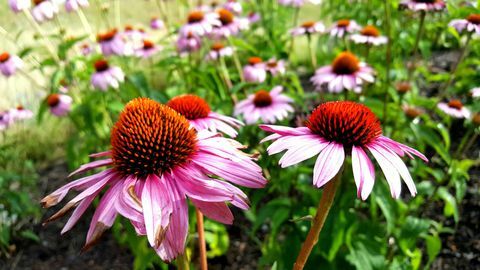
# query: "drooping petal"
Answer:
x=363 y=172
x=218 y=211
x=127 y=203
x=92 y=165
x=328 y=163
x=390 y=172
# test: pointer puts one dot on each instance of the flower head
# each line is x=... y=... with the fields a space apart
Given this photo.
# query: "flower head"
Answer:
x=369 y=35
x=471 y=24
x=44 y=10
x=255 y=71
x=275 y=67
x=198 y=113
x=59 y=104
x=200 y=23
x=233 y=6
x=155 y=163
x=74 y=5
x=423 y=5
x=345 y=72
x=218 y=50
x=339 y=127
x=114 y=43
x=269 y=107
x=454 y=108
x=475 y=92
x=343 y=27
x=5 y=120
x=9 y=64
x=106 y=76
x=20 y=113
x=19 y=5
x=148 y=49
x=156 y=23
x=188 y=43
x=308 y=28
x=230 y=25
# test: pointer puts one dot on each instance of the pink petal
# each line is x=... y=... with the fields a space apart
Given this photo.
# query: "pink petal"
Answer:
x=218 y=211
x=390 y=172
x=92 y=165
x=363 y=172
x=328 y=163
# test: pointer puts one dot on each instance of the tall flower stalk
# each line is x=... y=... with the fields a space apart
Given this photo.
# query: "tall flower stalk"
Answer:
x=388 y=59
x=421 y=27
x=202 y=247
x=38 y=29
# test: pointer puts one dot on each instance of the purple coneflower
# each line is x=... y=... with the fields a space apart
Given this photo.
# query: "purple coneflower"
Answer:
x=233 y=6
x=9 y=64
x=369 y=35
x=44 y=10
x=343 y=27
x=253 y=17
x=20 y=113
x=74 y=5
x=412 y=112
x=155 y=163
x=59 y=104
x=156 y=24
x=340 y=127
x=188 y=43
x=471 y=24
x=113 y=43
x=308 y=28
x=200 y=23
x=148 y=49
x=201 y=117
x=269 y=107
x=255 y=71
x=106 y=76
x=275 y=67
x=229 y=24
x=19 y=5
x=5 y=120
x=423 y=5
x=454 y=108
x=218 y=50
x=345 y=72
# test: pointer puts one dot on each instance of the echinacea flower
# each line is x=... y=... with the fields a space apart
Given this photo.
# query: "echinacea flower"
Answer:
x=308 y=28
x=412 y=112
x=188 y=43
x=275 y=67
x=336 y=129
x=156 y=23
x=471 y=24
x=59 y=104
x=233 y=6
x=200 y=23
x=343 y=27
x=269 y=107
x=19 y=5
x=5 y=120
x=198 y=113
x=134 y=36
x=113 y=43
x=74 y=5
x=475 y=92
x=229 y=24
x=403 y=87
x=155 y=163
x=106 y=76
x=44 y=10
x=218 y=50
x=20 y=113
x=297 y=3
x=454 y=108
x=369 y=35
x=423 y=5
x=86 y=49
x=253 y=17
x=9 y=64
x=255 y=71
x=345 y=72
x=148 y=49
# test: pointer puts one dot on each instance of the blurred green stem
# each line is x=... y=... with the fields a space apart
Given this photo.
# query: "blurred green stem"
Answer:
x=86 y=24
x=388 y=59
x=421 y=25
x=455 y=67
x=38 y=29
x=182 y=262
x=311 y=49
x=323 y=209
x=236 y=60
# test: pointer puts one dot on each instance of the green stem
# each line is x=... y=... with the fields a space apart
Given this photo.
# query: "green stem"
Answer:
x=313 y=56
x=38 y=29
x=417 y=42
x=238 y=66
x=182 y=262
x=388 y=59
x=86 y=24
x=455 y=67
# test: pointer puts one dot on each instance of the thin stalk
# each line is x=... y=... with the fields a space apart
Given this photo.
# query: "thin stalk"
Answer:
x=417 y=42
x=470 y=143
x=86 y=24
x=238 y=66
x=162 y=9
x=225 y=73
x=182 y=262
x=455 y=67
x=292 y=39
x=388 y=59
x=48 y=44
x=324 y=206
x=311 y=49
x=201 y=240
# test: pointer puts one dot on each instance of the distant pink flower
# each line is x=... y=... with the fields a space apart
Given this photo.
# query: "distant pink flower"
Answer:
x=155 y=163
x=269 y=107
x=5 y=120
x=475 y=92
x=369 y=35
x=133 y=36
x=218 y=50
x=106 y=77
x=114 y=43
x=229 y=24
x=188 y=43
x=344 y=27
x=156 y=23
x=60 y=105
x=340 y=126
x=9 y=64
x=74 y=5
x=423 y=5
x=275 y=67
x=308 y=28
x=44 y=10
x=253 y=17
x=148 y=49
x=345 y=72
x=454 y=108
x=200 y=23
x=233 y=6
x=198 y=113
x=20 y=113
x=86 y=49
x=297 y=3
x=471 y=24
x=255 y=71
x=19 y=5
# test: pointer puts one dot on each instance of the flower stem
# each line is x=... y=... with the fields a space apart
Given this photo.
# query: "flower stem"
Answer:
x=388 y=59
x=238 y=66
x=318 y=221
x=417 y=42
x=48 y=43
x=86 y=24
x=313 y=56
x=201 y=240
x=455 y=67
x=182 y=262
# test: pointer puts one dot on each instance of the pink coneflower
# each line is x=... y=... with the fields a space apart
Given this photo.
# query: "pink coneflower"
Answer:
x=471 y=24
x=253 y=17
x=20 y=113
x=308 y=28
x=19 y=5
x=44 y=10
x=345 y=72
x=156 y=24
x=86 y=49
x=5 y=120
x=454 y=108
x=423 y=5
x=156 y=161
x=297 y=3
x=338 y=127
x=9 y=64
x=113 y=43
x=201 y=117
x=60 y=105
x=475 y=92
x=269 y=107
x=134 y=36
x=233 y=6
x=106 y=76
x=343 y=27
x=369 y=35
x=255 y=71
x=275 y=67
x=229 y=24
x=200 y=23
x=148 y=49
x=412 y=112
x=218 y=50
x=74 y=5
x=188 y=43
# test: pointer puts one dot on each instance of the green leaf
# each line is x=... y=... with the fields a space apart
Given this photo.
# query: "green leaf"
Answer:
x=434 y=246
x=450 y=208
